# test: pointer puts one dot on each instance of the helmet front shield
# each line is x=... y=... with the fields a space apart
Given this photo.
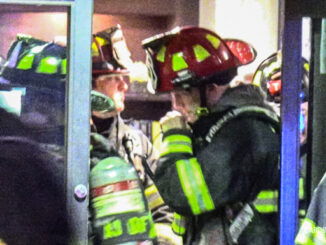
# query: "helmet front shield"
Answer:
x=244 y=51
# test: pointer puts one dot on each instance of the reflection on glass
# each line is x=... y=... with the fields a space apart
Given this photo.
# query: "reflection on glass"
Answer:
x=33 y=72
x=32 y=124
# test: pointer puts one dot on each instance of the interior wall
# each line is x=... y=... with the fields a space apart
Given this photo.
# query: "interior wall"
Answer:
x=139 y=19
x=44 y=26
x=142 y=18
x=254 y=21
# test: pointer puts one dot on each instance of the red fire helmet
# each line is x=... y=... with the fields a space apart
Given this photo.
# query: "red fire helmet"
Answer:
x=191 y=56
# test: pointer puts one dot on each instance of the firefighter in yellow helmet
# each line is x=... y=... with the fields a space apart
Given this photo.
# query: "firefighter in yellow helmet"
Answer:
x=220 y=144
x=111 y=77
x=268 y=77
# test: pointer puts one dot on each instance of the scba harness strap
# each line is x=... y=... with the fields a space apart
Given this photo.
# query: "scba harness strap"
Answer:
x=251 y=111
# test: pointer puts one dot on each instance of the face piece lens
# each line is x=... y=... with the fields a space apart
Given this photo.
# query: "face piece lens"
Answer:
x=100 y=102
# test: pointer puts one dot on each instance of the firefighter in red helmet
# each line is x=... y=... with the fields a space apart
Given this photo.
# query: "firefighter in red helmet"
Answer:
x=110 y=78
x=218 y=165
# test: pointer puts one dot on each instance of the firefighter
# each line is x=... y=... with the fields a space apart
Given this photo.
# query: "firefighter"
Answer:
x=36 y=70
x=220 y=145
x=32 y=197
x=110 y=77
x=268 y=77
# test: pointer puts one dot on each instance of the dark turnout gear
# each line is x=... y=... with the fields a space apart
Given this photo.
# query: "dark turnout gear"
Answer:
x=209 y=173
x=32 y=197
x=268 y=77
x=219 y=173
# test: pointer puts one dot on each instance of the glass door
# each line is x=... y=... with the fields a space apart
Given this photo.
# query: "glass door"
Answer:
x=44 y=89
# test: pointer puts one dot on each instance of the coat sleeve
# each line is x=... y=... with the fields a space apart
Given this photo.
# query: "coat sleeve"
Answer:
x=241 y=158
x=160 y=211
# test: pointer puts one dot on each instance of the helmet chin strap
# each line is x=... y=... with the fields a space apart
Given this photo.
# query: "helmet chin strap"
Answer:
x=202 y=110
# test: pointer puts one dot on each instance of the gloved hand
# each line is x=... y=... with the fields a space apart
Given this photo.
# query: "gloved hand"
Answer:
x=101 y=148
x=173 y=120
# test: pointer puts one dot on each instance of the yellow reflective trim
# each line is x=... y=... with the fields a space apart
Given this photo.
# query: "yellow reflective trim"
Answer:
x=179 y=224
x=187 y=185
x=199 y=177
x=271 y=68
x=155 y=203
x=266 y=201
x=310 y=233
x=267 y=195
x=194 y=186
x=26 y=62
x=200 y=52
x=266 y=208
x=150 y=190
x=161 y=54
x=180 y=230
x=48 y=65
x=178 y=62
x=95 y=51
x=153 y=197
x=306 y=66
x=101 y=41
x=152 y=232
x=137 y=225
x=165 y=232
x=112 y=229
x=175 y=148
x=177 y=216
x=64 y=66
x=301 y=188
x=177 y=138
x=302 y=212
x=257 y=79
x=213 y=40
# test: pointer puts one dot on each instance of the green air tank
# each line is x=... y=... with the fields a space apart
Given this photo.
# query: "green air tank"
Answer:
x=120 y=213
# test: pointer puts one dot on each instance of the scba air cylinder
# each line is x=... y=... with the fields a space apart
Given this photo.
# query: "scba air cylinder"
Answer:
x=120 y=214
